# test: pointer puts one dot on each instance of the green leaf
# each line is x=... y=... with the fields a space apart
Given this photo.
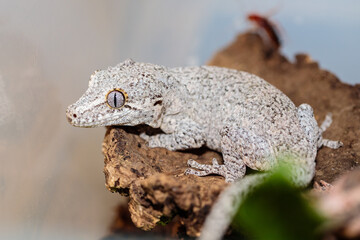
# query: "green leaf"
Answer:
x=277 y=210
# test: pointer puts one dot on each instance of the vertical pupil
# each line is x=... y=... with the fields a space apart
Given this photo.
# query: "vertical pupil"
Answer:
x=115 y=99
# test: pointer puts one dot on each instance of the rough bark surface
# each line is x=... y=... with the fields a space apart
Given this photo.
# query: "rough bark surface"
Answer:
x=155 y=182
x=153 y=178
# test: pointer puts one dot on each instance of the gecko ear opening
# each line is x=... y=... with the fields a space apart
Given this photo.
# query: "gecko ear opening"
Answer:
x=116 y=98
x=159 y=102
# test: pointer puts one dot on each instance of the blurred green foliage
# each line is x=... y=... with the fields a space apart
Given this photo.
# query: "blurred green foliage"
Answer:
x=277 y=210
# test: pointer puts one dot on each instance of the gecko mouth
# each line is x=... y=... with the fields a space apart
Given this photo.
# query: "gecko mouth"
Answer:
x=88 y=119
x=69 y=119
x=90 y=123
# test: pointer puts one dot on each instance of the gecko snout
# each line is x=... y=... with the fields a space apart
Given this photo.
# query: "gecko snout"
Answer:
x=70 y=116
x=69 y=119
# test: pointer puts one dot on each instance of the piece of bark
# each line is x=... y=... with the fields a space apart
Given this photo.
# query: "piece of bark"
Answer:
x=155 y=182
x=122 y=227
x=154 y=178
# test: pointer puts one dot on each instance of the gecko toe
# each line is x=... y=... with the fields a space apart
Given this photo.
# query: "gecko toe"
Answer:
x=190 y=171
x=192 y=163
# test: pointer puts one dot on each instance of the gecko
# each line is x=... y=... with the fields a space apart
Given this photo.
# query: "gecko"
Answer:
x=239 y=114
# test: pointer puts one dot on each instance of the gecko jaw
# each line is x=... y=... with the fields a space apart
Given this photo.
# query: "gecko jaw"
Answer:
x=96 y=121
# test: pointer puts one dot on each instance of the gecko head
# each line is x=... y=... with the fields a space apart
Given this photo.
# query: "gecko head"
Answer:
x=128 y=94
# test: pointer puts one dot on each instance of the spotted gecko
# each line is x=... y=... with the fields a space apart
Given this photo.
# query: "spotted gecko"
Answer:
x=248 y=120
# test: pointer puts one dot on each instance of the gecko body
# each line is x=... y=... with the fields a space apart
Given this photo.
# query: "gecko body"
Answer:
x=248 y=120
x=237 y=113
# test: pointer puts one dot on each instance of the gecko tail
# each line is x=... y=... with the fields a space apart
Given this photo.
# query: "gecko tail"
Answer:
x=225 y=208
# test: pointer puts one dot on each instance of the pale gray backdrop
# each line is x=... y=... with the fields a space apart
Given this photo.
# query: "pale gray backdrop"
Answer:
x=51 y=180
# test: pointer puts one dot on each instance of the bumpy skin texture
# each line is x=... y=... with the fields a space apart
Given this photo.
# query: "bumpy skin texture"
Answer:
x=237 y=113
x=248 y=120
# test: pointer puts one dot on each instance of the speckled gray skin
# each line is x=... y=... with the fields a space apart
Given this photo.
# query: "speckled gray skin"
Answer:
x=237 y=113
x=250 y=121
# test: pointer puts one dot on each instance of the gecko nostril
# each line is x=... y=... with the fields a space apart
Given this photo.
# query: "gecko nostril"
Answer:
x=69 y=119
x=74 y=115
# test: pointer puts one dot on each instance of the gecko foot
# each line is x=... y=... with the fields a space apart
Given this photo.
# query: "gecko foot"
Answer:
x=214 y=168
x=190 y=171
x=207 y=169
x=326 y=142
x=331 y=144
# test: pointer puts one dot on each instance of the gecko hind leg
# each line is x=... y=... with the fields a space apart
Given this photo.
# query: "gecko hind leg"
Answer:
x=326 y=123
x=206 y=169
x=216 y=168
x=233 y=168
x=326 y=142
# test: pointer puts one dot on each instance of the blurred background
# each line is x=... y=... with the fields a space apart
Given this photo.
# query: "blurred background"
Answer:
x=51 y=179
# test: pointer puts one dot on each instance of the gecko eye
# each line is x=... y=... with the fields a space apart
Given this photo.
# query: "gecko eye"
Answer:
x=116 y=98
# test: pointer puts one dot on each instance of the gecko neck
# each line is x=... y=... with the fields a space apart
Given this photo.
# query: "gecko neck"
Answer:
x=169 y=105
x=166 y=83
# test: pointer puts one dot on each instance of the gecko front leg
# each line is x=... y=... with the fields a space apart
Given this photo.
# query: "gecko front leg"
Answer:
x=187 y=135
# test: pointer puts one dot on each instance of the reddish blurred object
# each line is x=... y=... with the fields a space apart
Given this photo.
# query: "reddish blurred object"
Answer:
x=269 y=27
